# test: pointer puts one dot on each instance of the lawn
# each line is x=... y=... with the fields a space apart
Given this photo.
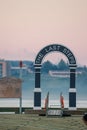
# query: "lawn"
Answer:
x=34 y=122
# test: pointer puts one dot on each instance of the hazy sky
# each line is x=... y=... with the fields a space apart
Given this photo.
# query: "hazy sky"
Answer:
x=26 y=26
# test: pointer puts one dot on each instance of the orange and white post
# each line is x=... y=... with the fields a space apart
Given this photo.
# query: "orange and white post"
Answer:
x=46 y=101
x=61 y=100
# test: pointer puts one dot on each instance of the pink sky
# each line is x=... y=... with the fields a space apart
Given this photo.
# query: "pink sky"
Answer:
x=26 y=26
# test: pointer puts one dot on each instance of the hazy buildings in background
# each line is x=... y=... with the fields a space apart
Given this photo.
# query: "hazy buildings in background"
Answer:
x=12 y=68
x=5 y=70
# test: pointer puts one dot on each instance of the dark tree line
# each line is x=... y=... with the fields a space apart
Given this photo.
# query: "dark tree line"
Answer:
x=47 y=66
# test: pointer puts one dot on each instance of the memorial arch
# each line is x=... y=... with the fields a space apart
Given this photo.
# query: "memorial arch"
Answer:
x=72 y=66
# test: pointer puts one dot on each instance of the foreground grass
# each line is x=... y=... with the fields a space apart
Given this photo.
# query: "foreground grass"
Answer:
x=32 y=122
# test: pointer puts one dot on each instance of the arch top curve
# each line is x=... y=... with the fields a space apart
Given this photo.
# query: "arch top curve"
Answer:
x=58 y=48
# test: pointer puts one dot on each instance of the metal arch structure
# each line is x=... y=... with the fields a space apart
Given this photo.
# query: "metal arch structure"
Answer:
x=72 y=65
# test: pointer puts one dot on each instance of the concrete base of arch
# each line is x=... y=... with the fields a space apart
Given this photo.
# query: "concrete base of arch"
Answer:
x=37 y=108
x=72 y=108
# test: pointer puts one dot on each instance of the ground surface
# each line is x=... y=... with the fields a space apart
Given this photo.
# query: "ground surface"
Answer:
x=33 y=122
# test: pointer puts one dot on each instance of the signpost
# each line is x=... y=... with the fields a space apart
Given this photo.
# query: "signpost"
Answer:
x=21 y=65
x=54 y=112
x=10 y=88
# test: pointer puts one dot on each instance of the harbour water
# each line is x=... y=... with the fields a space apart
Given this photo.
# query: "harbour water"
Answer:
x=29 y=103
x=53 y=85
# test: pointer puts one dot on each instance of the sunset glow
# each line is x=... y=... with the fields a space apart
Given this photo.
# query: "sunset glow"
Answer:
x=26 y=26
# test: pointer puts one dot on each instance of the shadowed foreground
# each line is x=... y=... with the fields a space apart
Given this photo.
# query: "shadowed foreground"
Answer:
x=34 y=122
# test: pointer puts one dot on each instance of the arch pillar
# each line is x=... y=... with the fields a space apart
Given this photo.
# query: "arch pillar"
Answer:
x=37 y=89
x=72 y=89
